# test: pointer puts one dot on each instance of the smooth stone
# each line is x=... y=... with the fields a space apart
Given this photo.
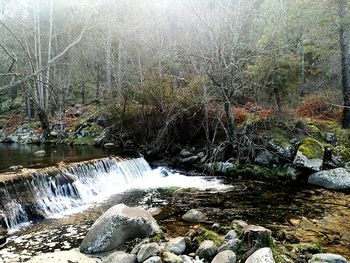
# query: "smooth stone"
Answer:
x=207 y=250
x=185 y=153
x=147 y=251
x=109 y=145
x=232 y=245
x=153 y=260
x=194 y=216
x=117 y=226
x=169 y=257
x=225 y=257
x=231 y=235
x=120 y=257
x=40 y=153
x=263 y=255
x=177 y=245
x=335 y=179
x=327 y=258
x=186 y=259
x=16 y=168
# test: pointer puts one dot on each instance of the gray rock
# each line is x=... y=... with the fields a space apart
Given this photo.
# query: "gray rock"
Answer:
x=282 y=147
x=137 y=248
x=153 y=260
x=177 y=245
x=120 y=257
x=3 y=236
x=265 y=158
x=186 y=259
x=194 y=216
x=185 y=153
x=188 y=160
x=116 y=226
x=232 y=244
x=147 y=251
x=231 y=235
x=40 y=153
x=171 y=258
x=16 y=168
x=310 y=155
x=327 y=258
x=109 y=145
x=331 y=138
x=207 y=250
x=225 y=257
x=336 y=179
x=257 y=236
x=263 y=255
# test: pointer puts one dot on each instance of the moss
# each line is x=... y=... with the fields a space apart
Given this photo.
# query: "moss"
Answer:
x=314 y=131
x=261 y=172
x=311 y=148
x=84 y=141
x=209 y=235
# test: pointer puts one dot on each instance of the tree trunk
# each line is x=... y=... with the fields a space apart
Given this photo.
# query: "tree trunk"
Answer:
x=302 y=72
x=345 y=60
x=44 y=121
x=231 y=127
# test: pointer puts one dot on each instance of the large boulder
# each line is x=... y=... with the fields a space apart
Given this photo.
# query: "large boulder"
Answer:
x=263 y=255
x=256 y=235
x=327 y=258
x=225 y=257
x=63 y=256
x=194 y=216
x=117 y=226
x=120 y=257
x=336 y=179
x=310 y=155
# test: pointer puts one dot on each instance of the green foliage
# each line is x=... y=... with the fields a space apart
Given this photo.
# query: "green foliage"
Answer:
x=209 y=235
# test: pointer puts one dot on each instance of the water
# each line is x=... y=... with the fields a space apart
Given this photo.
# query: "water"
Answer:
x=72 y=197
x=16 y=154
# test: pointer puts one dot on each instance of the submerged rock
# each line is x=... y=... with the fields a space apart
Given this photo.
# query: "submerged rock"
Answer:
x=336 y=179
x=194 y=216
x=263 y=255
x=40 y=153
x=225 y=257
x=327 y=258
x=310 y=155
x=116 y=226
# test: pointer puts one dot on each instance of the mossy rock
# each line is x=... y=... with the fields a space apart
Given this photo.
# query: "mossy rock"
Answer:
x=314 y=131
x=282 y=147
x=310 y=154
x=340 y=155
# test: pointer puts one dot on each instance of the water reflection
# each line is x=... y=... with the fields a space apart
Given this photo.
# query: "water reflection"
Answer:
x=16 y=154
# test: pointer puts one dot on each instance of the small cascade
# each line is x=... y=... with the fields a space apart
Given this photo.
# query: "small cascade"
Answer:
x=56 y=191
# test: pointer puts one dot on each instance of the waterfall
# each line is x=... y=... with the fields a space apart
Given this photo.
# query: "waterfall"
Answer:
x=54 y=191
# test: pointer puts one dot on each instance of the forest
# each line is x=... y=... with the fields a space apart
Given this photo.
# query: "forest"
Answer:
x=188 y=69
x=174 y=131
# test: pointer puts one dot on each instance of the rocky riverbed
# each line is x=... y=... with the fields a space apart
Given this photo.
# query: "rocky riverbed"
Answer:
x=303 y=222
